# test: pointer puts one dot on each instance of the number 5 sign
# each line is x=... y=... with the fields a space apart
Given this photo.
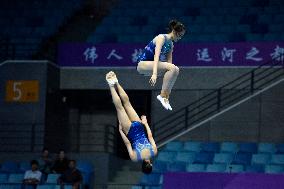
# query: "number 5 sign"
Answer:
x=22 y=91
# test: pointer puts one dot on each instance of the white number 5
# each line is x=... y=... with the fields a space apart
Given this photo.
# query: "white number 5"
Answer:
x=17 y=90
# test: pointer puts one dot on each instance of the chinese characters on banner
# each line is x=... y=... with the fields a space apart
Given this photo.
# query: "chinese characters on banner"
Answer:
x=203 y=54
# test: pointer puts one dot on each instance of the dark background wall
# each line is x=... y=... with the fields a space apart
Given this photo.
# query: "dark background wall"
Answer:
x=259 y=119
x=18 y=120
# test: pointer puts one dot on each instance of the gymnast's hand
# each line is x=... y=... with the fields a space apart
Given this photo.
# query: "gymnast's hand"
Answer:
x=144 y=119
x=153 y=79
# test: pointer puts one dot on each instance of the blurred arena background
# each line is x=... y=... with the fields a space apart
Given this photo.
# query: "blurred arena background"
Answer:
x=228 y=117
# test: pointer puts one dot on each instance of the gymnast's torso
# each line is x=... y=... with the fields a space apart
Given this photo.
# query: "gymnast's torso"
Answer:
x=139 y=140
x=149 y=51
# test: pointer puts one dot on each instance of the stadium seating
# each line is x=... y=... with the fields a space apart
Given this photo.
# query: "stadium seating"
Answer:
x=266 y=148
x=24 y=166
x=160 y=167
x=52 y=178
x=216 y=168
x=277 y=159
x=187 y=157
x=151 y=179
x=242 y=158
x=260 y=158
x=13 y=178
x=274 y=169
x=247 y=147
x=195 y=156
x=191 y=146
x=6 y=186
x=210 y=147
x=234 y=168
x=177 y=167
x=204 y=158
x=244 y=21
x=174 y=146
x=196 y=167
x=280 y=148
x=223 y=158
x=3 y=178
x=230 y=147
x=257 y=168
x=9 y=167
x=166 y=156
x=34 y=21
x=16 y=178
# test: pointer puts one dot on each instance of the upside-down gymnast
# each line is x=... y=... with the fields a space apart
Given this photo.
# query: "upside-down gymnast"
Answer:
x=135 y=131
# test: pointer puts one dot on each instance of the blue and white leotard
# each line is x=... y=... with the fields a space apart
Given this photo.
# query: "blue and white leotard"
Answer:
x=149 y=51
x=138 y=139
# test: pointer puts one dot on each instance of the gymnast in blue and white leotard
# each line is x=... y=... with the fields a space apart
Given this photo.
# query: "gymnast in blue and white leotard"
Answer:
x=149 y=51
x=156 y=59
x=134 y=130
x=138 y=138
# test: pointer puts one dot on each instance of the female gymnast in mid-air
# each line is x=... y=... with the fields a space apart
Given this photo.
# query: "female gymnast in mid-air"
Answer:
x=135 y=131
x=157 y=59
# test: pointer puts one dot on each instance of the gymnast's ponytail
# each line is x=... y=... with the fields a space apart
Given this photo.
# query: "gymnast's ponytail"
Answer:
x=176 y=26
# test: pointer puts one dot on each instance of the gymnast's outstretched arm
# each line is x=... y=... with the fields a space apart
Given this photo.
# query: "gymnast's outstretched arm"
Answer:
x=127 y=143
x=149 y=133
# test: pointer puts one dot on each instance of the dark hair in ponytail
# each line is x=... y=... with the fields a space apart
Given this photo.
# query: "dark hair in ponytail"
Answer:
x=176 y=26
x=146 y=167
